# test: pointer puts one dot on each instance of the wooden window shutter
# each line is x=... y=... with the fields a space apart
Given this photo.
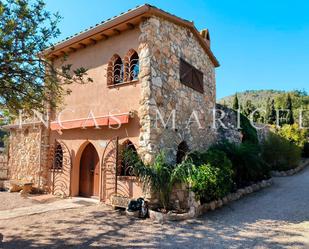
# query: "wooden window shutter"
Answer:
x=198 y=80
x=190 y=76
x=185 y=73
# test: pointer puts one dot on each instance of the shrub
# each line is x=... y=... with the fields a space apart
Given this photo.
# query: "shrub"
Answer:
x=294 y=134
x=210 y=183
x=248 y=165
x=161 y=176
x=217 y=158
x=279 y=153
x=197 y=157
x=212 y=177
x=306 y=150
x=213 y=156
x=248 y=131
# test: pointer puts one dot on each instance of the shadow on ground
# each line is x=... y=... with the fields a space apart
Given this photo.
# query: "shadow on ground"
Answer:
x=277 y=217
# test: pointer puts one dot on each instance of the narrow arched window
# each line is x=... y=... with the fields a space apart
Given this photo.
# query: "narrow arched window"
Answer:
x=131 y=65
x=134 y=67
x=182 y=151
x=128 y=157
x=58 y=158
x=118 y=71
x=115 y=70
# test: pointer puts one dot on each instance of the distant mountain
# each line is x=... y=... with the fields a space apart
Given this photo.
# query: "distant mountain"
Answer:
x=259 y=98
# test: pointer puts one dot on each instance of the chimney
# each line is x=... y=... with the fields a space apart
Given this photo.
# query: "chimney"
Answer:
x=205 y=34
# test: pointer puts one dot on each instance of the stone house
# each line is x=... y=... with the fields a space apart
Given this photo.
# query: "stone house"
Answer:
x=147 y=65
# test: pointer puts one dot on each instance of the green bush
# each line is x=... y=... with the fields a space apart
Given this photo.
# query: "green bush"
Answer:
x=248 y=131
x=279 y=153
x=212 y=177
x=213 y=156
x=217 y=158
x=248 y=165
x=197 y=157
x=294 y=134
x=306 y=150
x=204 y=183
x=161 y=177
x=210 y=183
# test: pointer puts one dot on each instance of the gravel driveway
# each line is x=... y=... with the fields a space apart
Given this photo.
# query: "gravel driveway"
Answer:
x=15 y=200
x=276 y=217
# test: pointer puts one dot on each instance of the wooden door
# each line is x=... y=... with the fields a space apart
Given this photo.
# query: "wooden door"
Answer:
x=89 y=172
x=96 y=177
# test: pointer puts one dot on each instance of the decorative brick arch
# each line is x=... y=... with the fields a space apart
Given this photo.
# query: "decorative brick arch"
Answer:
x=115 y=70
x=131 y=65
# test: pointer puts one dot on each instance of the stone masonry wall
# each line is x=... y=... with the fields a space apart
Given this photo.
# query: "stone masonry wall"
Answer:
x=162 y=44
x=228 y=130
x=25 y=159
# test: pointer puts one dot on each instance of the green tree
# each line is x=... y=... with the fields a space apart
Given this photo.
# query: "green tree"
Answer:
x=235 y=102
x=27 y=79
x=294 y=134
x=270 y=116
x=267 y=110
x=289 y=108
x=248 y=108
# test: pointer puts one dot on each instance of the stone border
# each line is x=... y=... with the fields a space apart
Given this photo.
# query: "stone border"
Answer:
x=134 y=214
x=170 y=216
x=291 y=171
x=196 y=209
x=234 y=196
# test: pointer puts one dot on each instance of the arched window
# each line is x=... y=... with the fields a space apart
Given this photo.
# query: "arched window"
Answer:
x=58 y=157
x=118 y=71
x=131 y=65
x=182 y=151
x=115 y=70
x=128 y=157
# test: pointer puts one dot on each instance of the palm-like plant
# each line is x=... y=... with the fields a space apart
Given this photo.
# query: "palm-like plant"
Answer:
x=160 y=176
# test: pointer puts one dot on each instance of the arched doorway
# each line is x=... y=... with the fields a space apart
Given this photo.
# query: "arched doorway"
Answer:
x=89 y=176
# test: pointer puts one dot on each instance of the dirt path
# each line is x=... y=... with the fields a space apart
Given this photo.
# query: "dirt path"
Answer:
x=14 y=200
x=276 y=217
x=38 y=208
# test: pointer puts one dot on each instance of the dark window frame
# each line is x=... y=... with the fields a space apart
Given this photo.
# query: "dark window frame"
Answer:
x=131 y=66
x=125 y=169
x=58 y=158
x=190 y=76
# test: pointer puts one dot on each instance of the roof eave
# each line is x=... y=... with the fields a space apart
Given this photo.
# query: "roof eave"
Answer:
x=141 y=12
x=97 y=30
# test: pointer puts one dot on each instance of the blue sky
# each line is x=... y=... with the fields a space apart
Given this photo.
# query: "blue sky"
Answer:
x=260 y=44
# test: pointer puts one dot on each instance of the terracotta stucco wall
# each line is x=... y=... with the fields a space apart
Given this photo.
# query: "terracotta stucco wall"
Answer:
x=97 y=96
x=77 y=139
x=101 y=100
